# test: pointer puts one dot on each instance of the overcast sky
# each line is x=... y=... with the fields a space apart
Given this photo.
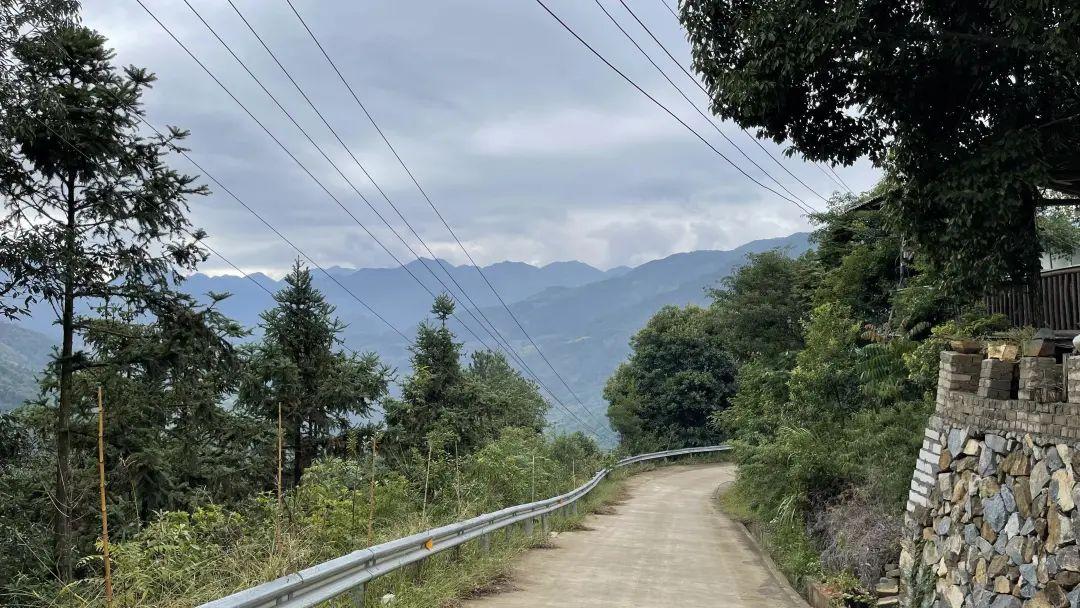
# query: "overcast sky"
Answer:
x=532 y=149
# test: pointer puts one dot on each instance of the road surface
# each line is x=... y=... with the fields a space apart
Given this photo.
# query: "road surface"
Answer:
x=666 y=545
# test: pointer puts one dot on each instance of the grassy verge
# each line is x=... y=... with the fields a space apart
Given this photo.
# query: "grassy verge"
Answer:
x=785 y=541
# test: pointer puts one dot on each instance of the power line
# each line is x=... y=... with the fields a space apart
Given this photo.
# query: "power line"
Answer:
x=801 y=203
x=497 y=336
x=319 y=182
x=704 y=90
x=431 y=204
x=661 y=106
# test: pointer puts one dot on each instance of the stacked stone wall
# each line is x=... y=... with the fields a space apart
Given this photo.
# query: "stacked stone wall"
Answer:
x=992 y=515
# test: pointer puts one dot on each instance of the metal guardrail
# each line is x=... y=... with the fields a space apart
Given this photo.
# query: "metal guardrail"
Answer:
x=350 y=573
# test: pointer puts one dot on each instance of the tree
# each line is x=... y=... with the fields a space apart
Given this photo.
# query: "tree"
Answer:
x=297 y=368
x=762 y=305
x=92 y=213
x=503 y=398
x=971 y=107
x=437 y=397
x=678 y=375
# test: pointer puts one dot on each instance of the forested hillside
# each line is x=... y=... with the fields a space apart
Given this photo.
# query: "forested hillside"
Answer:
x=581 y=317
x=23 y=355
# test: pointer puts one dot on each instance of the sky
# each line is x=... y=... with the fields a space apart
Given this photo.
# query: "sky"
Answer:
x=530 y=147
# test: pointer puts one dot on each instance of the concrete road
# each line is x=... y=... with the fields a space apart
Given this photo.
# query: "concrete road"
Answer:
x=665 y=546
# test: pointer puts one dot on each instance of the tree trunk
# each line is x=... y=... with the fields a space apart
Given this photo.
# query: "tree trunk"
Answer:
x=1030 y=198
x=63 y=413
x=298 y=450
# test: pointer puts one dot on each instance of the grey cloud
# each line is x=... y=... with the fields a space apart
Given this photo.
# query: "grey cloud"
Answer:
x=532 y=149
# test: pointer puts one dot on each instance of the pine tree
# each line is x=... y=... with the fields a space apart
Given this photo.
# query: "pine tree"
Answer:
x=300 y=366
x=91 y=211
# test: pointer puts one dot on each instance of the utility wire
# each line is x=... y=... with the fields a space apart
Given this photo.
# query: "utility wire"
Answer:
x=321 y=152
x=319 y=182
x=107 y=170
x=661 y=106
x=431 y=204
x=704 y=90
x=801 y=203
x=497 y=336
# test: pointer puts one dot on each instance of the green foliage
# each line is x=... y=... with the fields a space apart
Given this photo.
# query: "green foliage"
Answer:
x=1059 y=232
x=971 y=107
x=92 y=215
x=297 y=369
x=465 y=407
x=762 y=305
x=677 y=377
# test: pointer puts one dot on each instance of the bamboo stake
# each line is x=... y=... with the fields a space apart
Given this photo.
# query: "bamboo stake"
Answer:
x=534 y=477
x=104 y=511
x=371 y=498
x=280 y=495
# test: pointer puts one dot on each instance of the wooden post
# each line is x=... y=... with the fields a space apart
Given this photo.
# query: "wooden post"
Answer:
x=280 y=492
x=371 y=497
x=104 y=511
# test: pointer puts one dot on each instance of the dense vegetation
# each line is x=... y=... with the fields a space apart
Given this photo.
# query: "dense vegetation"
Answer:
x=972 y=108
x=227 y=461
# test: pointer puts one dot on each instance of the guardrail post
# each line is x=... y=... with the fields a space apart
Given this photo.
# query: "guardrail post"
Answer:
x=528 y=526
x=418 y=570
x=544 y=524
x=485 y=542
x=358 y=596
x=574 y=506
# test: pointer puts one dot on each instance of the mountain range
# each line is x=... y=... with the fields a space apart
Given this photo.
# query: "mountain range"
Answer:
x=580 y=317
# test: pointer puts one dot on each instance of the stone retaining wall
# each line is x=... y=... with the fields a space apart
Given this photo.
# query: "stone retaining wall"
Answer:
x=991 y=517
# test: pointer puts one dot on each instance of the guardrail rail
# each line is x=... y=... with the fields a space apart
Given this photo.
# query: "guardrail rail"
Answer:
x=349 y=574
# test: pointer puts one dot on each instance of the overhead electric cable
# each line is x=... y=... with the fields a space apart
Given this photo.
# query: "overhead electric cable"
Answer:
x=631 y=82
x=704 y=90
x=490 y=329
x=431 y=204
x=806 y=207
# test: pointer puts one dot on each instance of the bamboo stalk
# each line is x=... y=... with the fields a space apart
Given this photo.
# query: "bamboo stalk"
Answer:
x=104 y=511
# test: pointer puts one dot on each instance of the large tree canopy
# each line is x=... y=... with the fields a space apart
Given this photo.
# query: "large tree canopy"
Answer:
x=972 y=107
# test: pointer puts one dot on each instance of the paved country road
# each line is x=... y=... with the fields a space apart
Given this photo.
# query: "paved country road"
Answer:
x=666 y=545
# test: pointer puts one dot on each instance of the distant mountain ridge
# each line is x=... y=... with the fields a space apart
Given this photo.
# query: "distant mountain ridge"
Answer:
x=581 y=317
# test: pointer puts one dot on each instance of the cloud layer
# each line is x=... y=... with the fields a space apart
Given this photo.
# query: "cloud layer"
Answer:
x=531 y=148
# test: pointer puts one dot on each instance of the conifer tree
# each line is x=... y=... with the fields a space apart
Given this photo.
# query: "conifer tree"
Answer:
x=300 y=365
x=91 y=212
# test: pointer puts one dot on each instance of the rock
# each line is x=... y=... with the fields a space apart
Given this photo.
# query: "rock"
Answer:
x=887 y=586
x=1061 y=489
x=997 y=566
x=944 y=460
x=1068 y=558
x=1065 y=578
x=955 y=597
x=1015 y=550
x=955 y=442
x=987 y=532
x=971 y=447
x=980 y=572
x=1055 y=595
x=1002 y=585
x=959 y=492
x=1008 y=499
x=1038 y=601
x=996 y=443
x=1059 y=530
x=985 y=548
x=942 y=526
x=994 y=512
x=1028 y=527
x=931 y=556
x=387 y=599
x=1027 y=572
x=1012 y=527
x=944 y=483
x=987 y=462
x=1022 y=495
x=1016 y=464
x=1005 y=601
x=1053 y=460
x=1065 y=454
x=1040 y=476
x=1074 y=598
